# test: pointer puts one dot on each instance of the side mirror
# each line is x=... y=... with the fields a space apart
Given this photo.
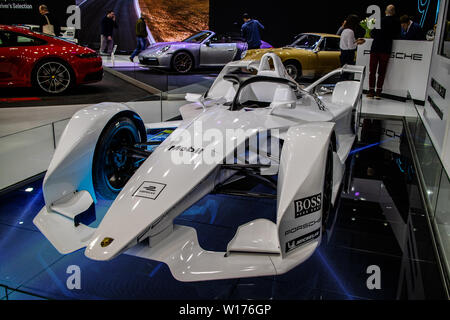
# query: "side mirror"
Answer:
x=316 y=49
x=196 y=98
x=282 y=104
x=208 y=43
x=232 y=78
x=193 y=97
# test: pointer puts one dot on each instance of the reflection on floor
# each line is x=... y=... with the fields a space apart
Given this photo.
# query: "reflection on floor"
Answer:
x=197 y=81
x=380 y=221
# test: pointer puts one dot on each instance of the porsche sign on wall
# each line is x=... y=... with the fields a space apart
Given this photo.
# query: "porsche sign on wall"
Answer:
x=407 y=70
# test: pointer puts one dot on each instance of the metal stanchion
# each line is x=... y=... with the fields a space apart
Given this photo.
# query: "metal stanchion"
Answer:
x=113 y=53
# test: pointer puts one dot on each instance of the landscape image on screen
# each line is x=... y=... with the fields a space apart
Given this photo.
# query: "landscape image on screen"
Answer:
x=173 y=20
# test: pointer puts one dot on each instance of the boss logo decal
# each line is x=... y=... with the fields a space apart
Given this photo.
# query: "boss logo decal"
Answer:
x=308 y=205
x=293 y=244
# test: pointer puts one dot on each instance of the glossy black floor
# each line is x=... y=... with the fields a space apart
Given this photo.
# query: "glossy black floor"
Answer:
x=167 y=80
x=380 y=221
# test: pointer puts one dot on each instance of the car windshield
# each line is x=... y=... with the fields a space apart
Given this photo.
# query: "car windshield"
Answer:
x=306 y=41
x=198 y=38
x=260 y=92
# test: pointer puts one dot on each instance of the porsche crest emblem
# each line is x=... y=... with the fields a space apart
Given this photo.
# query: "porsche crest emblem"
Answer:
x=106 y=242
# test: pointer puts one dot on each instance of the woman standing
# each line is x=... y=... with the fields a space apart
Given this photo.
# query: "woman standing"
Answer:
x=348 y=41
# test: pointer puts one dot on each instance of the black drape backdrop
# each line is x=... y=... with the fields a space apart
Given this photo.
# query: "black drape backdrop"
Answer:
x=283 y=19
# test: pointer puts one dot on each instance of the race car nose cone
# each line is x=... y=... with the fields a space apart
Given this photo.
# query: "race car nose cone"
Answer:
x=103 y=248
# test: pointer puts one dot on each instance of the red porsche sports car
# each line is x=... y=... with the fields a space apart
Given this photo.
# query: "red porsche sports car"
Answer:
x=50 y=64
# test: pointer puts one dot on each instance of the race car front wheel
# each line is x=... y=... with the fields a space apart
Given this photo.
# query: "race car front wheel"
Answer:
x=113 y=167
x=182 y=62
x=53 y=77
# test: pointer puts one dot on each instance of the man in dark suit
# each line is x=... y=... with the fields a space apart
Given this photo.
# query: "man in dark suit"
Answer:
x=410 y=30
x=381 y=49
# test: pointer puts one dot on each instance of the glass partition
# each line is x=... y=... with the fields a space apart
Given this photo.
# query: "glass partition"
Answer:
x=436 y=185
x=25 y=154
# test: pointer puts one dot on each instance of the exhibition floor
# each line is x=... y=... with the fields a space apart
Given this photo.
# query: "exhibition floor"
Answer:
x=380 y=221
x=110 y=88
x=162 y=79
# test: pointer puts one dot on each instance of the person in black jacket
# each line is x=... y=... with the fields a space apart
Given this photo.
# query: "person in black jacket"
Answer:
x=48 y=23
x=410 y=30
x=108 y=25
x=381 y=49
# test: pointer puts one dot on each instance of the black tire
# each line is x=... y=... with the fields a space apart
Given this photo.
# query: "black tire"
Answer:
x=327 y=188
x=294 y=69
x=112 y=168
x=182 y=62
x=53 y=77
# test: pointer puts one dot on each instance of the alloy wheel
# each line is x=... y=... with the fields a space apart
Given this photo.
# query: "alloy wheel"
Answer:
x=53 y=77
x=182 y=63
x=292 y=71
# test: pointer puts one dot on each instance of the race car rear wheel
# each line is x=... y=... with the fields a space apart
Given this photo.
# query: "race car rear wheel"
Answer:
x=327 y=187
x=182 y=62
x=113 y=167
x=294 y=69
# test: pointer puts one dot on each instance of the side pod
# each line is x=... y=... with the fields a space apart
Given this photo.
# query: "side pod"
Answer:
x=300 y=186
x=68 y=187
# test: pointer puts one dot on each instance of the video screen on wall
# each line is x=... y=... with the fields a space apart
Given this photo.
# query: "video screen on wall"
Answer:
x=174 y=20
x=167 y=20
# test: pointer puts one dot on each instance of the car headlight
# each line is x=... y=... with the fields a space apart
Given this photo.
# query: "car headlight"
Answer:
x=87 y=55
x=243 y=54
x=162 y=50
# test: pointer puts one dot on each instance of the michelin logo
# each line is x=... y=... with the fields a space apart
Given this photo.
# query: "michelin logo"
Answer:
x=308 y=205
x=293 y=244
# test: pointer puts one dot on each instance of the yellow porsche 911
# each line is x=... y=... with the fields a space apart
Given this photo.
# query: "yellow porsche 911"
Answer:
x=310 y=55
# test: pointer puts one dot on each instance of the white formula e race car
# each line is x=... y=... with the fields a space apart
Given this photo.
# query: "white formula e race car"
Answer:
x=255 y=121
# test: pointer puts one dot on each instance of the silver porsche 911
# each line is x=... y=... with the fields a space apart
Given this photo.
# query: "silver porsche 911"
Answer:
x=204 y=49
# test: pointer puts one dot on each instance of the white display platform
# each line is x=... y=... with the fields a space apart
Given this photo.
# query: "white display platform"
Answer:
x=407 y=70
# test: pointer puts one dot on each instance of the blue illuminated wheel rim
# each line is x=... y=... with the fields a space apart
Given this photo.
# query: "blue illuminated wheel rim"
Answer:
x=113 y=166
